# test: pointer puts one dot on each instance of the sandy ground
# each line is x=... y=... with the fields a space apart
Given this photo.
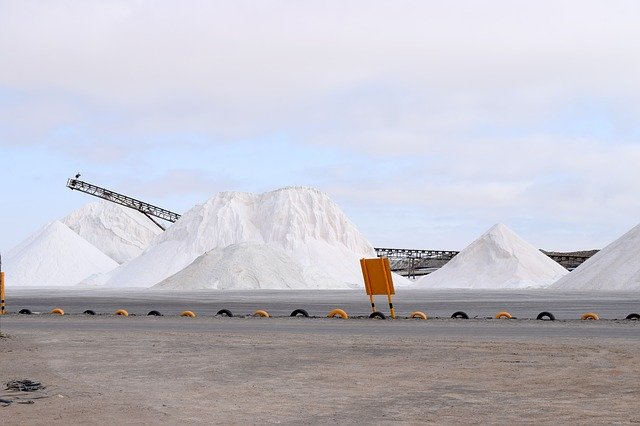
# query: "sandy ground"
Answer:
x=141 y=375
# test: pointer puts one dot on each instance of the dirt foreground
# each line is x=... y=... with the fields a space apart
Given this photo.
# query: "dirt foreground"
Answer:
x=121 y=376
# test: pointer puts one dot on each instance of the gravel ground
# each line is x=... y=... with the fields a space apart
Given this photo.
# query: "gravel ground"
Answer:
x=204 y=370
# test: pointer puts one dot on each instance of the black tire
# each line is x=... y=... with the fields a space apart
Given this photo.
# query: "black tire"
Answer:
x=544 y=314
x=154 y=313
x=378 y=314
x=89 y=312
x=25 y=311
x=633 y=317
x=299 y=312
x=224 y=312
x=460 y=314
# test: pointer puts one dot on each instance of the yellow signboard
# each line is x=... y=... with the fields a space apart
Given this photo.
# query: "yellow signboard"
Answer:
x=377 y=280
x=377 y=276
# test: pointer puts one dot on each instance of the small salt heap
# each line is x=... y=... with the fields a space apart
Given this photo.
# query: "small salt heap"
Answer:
x=615 y=267
x=54 y=256
x=499 y=259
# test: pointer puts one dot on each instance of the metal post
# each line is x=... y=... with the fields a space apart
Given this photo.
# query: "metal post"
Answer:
x=1 y=293
x=1 y=288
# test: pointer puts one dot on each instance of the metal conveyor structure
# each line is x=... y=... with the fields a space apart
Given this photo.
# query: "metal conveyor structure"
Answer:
x=147 y=209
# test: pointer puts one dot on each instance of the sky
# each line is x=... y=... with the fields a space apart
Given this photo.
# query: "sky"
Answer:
x=426 y=121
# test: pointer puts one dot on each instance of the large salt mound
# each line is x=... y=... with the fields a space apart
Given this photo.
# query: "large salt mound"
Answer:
x=499 y=259
x=302 y=222
x=245 y=266
x=121 y=233
x=615 y=267
x=54 y=256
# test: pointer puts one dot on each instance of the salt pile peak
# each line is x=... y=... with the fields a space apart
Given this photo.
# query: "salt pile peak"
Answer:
x=119 y=232
x=303 y=223
x=54 y=256
x=499 y=259
x=615 y=267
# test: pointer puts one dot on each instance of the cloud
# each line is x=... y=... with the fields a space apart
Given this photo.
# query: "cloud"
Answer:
x=465 y=112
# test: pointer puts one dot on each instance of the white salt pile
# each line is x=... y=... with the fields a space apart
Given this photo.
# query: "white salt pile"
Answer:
x=499 y=259
x=303 y=223
x=119 y=232
x=245 y=266
x=615 y=267
x=54 y=256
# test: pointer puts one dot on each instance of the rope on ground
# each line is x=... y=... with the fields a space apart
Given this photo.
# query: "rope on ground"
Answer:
x=24 y=385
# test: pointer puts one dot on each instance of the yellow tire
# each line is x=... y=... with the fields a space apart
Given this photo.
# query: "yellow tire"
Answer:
x=503 y=314
x=261 y=313
x=121 y=312
x=189 y=314
x=418 y=314
x=590 y=316
x=338 y=313
x=57 y=311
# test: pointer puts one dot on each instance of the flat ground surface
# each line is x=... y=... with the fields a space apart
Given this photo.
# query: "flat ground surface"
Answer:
x=147 y=370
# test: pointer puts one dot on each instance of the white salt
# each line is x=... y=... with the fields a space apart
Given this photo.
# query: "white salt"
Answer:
x=615 y=267
x=54 y=256
x=499 y=259
x=302 y=223
x=119 y=232
x=245 y=266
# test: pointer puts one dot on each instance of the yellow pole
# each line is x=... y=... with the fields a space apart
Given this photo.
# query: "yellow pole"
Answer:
x=373 y=303
x=393 y=312
x=387 y=270
x=1 y=293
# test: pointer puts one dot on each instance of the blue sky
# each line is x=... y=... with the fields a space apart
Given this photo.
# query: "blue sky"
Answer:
x=426 y=122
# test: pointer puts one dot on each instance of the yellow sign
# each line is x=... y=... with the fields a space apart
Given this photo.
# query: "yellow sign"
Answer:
x=377 y=280
x=377 y=276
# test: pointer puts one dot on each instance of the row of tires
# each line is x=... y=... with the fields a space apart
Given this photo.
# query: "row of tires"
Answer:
x=339 y=313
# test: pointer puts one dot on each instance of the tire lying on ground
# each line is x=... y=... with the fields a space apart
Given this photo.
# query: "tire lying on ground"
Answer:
x=633 y=317
x=224 y=312
x=503 y=314
x=543 y=314
x=189 y=314
x=460 y=314
x=378 y=314
x=154 y=314
x=418 y=314
x=121 y=312
x=261 y=313
x=589 y=316
x=57 y=311
x=89 y=312
x=338 y=313
x=301 y=312
x=25 y=311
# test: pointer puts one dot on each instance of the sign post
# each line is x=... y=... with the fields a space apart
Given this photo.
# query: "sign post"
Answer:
x=377 y=280
x=1 y=288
